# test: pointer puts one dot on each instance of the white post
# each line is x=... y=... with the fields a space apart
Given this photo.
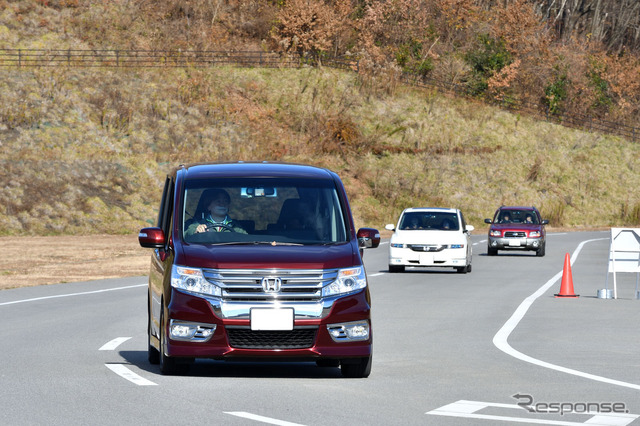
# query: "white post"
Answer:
x=613 y=267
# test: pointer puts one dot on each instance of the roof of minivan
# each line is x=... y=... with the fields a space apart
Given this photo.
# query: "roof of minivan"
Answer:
x=255 y=169
x=517 y=208
x=430 y=209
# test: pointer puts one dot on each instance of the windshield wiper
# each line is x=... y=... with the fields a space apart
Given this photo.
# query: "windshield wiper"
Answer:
x=256 y=243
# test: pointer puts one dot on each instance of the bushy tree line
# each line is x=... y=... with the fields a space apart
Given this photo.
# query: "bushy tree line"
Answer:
x=573 y=56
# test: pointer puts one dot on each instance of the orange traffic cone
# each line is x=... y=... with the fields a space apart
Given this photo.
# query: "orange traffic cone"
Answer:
x=566 y=287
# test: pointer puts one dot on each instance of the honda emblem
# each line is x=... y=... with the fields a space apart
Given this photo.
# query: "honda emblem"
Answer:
x=271 y=284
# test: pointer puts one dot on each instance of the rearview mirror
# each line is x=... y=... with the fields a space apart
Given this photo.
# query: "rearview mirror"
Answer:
x=258 y=192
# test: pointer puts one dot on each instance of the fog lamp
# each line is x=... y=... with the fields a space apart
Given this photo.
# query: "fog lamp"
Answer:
x=358 y=331
x=190 y=331
x=349 y=331
x=182 y=331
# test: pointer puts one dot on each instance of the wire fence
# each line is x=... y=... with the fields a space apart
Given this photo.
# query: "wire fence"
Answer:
x=25 y=58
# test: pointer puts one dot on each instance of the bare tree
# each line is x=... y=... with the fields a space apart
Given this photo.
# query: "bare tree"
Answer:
x=614 y=23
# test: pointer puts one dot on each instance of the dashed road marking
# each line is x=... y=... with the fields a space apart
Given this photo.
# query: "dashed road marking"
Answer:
x=109 y=346
x=262 y=419
x=125 y=373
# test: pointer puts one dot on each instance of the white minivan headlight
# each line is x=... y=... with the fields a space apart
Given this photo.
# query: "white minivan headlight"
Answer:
x=193 y=281
x=348 y=281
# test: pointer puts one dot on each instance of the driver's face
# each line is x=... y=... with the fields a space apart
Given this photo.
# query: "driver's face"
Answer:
x=219 y=206
x=219 y=201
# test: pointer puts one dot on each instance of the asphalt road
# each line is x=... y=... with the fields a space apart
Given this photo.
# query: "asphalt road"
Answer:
x=450 y=349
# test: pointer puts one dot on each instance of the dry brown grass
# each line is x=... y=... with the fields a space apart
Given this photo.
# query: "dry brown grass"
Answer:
x=31 y=261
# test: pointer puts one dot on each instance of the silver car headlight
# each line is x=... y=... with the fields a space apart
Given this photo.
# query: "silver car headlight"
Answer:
x=349 y=280
x=193 y=281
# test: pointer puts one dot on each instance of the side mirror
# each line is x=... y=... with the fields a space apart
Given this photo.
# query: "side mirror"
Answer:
x=151 y=238
x=368 y=238
x=488 y=221
x=545 y=222
x=469 y=228
x=390 y=227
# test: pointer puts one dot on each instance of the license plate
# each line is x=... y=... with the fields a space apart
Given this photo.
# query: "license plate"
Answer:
x=271 y=319
x=426 y=259
x=514 y=243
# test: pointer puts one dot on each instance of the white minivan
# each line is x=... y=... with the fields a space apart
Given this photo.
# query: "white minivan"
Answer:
x=430 y=237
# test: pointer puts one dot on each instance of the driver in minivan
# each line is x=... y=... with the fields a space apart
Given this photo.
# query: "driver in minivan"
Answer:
x=212 y=214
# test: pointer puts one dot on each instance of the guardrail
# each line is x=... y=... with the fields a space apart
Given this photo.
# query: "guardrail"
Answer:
x=22 y=58
x=140 y=58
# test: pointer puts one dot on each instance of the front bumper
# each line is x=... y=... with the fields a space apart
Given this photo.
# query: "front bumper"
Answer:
x=515 y=243
x=445 y=258
x=234 y=339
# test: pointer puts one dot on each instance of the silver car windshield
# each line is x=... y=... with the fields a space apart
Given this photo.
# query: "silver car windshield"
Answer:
x=262 y=211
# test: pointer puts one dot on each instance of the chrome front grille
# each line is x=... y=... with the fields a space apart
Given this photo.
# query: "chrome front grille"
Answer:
x=514 y=234
x=293 y=285
x=426 y=247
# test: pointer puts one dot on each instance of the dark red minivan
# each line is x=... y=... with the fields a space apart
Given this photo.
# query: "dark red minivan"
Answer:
x=258 y=261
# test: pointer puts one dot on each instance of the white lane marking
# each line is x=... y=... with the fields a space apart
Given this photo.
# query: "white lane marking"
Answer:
x=125 y=373
x=375 y=275
x=72 y=294
x=109 y=346
x=500 y=339
x=261 y=418
x=468 y=409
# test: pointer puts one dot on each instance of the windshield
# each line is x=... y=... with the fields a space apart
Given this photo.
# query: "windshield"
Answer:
x=262 y=211
x=443 y=221
x=516 y=216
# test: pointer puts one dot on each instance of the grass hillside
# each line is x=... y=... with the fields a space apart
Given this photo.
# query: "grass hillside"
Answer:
x=85 y=151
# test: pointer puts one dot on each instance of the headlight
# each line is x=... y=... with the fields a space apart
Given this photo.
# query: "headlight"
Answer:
x=534 y=234
x=396 y=245
x=192 y=280
x=494 y=233
x=348 y=281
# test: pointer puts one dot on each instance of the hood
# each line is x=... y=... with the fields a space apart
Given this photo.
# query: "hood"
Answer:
x=267 y=256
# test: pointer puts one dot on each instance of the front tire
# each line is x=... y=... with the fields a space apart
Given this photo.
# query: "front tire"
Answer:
x=153 y=353
x=168 y=365
x=464 y=269
x=356 y=369
x=396 y=268
x=541 y=251
x=492 y=251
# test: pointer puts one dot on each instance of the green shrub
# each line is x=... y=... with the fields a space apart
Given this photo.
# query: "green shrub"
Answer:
x=603 y=100
x=556 y=92
x=488 y=57
x=410 y=58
